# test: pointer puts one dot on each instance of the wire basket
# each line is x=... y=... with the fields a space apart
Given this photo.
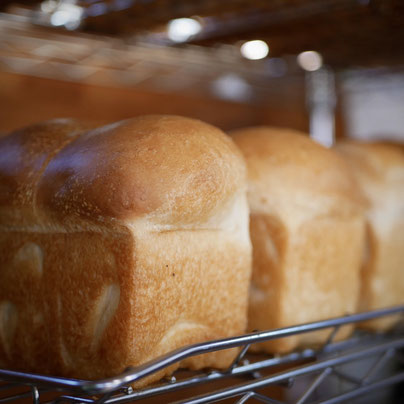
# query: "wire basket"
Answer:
x=248 y=378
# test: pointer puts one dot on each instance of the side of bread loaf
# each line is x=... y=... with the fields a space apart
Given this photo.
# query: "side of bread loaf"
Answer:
x=307 y=231
x=379 y=171
x=128 y=241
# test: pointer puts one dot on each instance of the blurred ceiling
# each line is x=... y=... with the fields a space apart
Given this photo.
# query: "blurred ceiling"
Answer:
x=347 y=33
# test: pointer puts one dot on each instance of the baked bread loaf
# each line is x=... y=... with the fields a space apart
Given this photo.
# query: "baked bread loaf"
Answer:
x=379 y=171
x=120 y=244
x=307 y=231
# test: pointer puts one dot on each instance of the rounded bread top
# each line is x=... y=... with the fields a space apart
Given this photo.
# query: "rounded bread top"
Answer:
x=173 y=170
x=374 y=161
x=24 y=155
x=285 y=166
x=379 y=170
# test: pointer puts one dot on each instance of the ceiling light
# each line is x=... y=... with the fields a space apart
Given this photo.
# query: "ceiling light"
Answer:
x=181 y=29
x=254 y=50
x=68 y=15
x=310 y=60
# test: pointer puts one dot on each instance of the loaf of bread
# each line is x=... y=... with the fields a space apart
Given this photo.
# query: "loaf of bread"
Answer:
x=119 y=244
x=379 y=171
x=307 y=231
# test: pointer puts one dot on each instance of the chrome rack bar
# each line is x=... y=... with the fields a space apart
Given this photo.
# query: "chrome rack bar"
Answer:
x=282 y=376
x=135 y=374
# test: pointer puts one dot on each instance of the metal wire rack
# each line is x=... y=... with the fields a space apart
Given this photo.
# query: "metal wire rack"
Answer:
x=248 y=378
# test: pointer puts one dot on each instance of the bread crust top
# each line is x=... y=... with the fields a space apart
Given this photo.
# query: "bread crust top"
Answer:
x=286 y=167
x=173 y=170
x=375 y=161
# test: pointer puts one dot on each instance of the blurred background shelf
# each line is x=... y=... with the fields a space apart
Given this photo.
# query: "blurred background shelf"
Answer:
x=346 y=32
x=103 y=61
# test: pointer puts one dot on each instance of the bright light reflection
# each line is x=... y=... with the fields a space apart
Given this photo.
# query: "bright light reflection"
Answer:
x=310 y=60
x=181 y=29
x=68 y=15
x=254 y=50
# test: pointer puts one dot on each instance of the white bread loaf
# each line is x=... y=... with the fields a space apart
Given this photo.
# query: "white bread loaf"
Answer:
x=379 y=171
x=120 y=244
x=307 y=230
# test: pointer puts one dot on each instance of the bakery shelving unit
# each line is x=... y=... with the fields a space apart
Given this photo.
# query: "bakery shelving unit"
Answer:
x=379 y=355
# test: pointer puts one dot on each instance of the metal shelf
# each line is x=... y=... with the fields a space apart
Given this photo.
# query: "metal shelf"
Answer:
x=248 y=374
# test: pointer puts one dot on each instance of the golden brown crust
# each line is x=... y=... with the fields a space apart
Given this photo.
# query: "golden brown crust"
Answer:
x=285 y=161
x=374 y=161
x=138 y=244
x=379 y=171
x=172 y=168
x=95 y=303
x=307 y=231
x=24 y=155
